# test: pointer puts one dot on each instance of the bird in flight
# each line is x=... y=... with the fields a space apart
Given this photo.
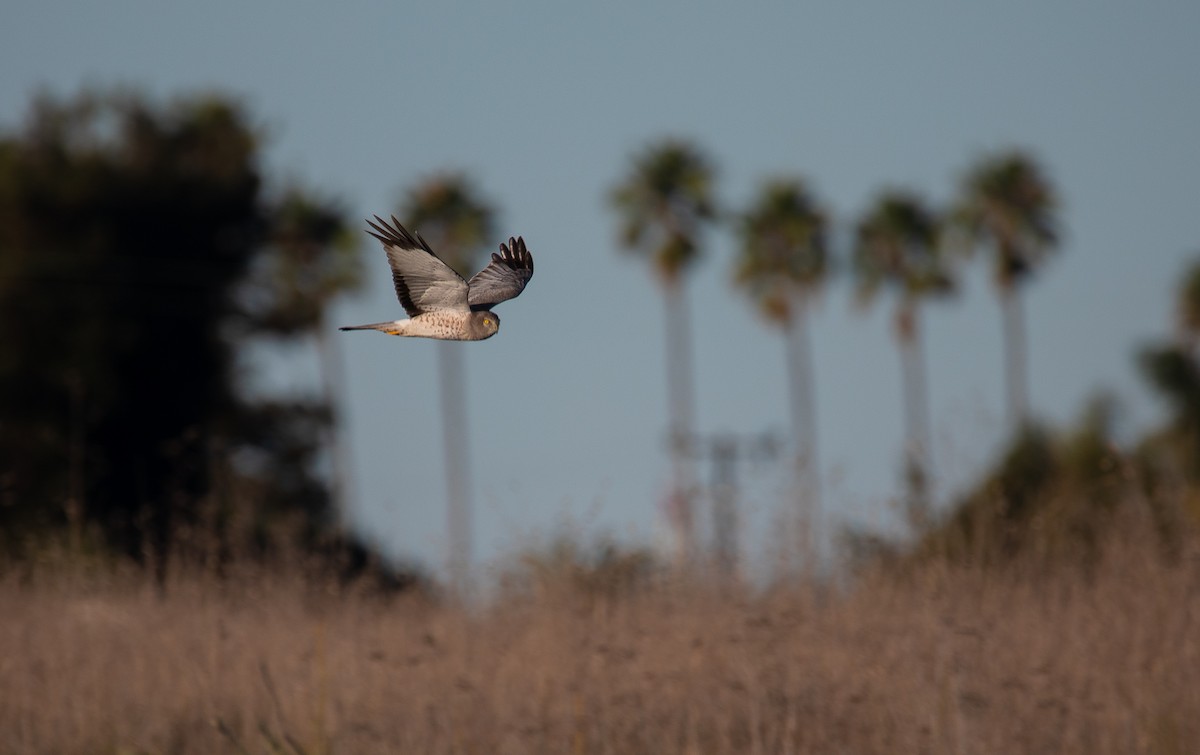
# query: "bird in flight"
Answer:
x=439 y=303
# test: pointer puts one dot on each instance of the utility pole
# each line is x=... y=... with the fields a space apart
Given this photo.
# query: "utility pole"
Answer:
x=724 y=451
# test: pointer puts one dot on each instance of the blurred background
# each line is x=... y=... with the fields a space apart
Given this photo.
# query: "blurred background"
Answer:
x=801 y=271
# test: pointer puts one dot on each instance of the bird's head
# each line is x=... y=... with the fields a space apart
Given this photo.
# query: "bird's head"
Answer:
x=484 y=324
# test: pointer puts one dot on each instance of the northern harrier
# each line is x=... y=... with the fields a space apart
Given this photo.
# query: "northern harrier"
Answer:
x=440 y=304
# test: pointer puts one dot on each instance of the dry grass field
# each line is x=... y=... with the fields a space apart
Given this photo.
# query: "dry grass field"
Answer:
x=934 y=660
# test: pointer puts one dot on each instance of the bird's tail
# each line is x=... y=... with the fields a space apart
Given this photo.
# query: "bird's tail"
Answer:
x=391 y=328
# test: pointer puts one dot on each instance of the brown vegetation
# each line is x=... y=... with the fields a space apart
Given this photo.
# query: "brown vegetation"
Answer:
x=943 y=659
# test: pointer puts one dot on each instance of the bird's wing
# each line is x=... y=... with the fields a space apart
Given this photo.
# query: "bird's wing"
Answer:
x=423 y=282
x=504 y=277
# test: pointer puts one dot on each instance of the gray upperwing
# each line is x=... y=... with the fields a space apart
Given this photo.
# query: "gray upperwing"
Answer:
x=504 y=277
x=423 y=282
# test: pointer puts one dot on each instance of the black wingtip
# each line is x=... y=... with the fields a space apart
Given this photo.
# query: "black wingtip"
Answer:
x=380 y=230
x=396 y=234
x=515 y=254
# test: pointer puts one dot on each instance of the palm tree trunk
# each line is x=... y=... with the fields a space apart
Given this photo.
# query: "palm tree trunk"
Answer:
x=916 y=415
x=680 y=398
x=329 y=358
x=1014 y=346
x=457 y=463
x=804 y=430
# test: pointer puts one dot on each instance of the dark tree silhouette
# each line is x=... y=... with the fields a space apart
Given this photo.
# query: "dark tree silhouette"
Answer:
x=128 y=233
x=1173 y=371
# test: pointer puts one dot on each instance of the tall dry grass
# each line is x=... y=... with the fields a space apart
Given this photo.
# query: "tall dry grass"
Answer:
x=935 y=660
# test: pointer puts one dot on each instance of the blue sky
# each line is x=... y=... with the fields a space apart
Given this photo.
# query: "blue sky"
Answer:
x=543 y=104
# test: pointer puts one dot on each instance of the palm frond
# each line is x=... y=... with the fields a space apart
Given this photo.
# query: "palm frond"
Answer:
x=664 y=204
x=783 y=246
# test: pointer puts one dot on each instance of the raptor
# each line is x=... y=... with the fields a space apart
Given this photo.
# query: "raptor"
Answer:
x=439 y=302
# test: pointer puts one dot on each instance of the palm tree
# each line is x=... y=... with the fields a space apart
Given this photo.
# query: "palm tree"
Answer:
x=896 y=246
x=315 y=258
x=782 y=264
x=1008 y=205
x=449 y=213
x=664 y=204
